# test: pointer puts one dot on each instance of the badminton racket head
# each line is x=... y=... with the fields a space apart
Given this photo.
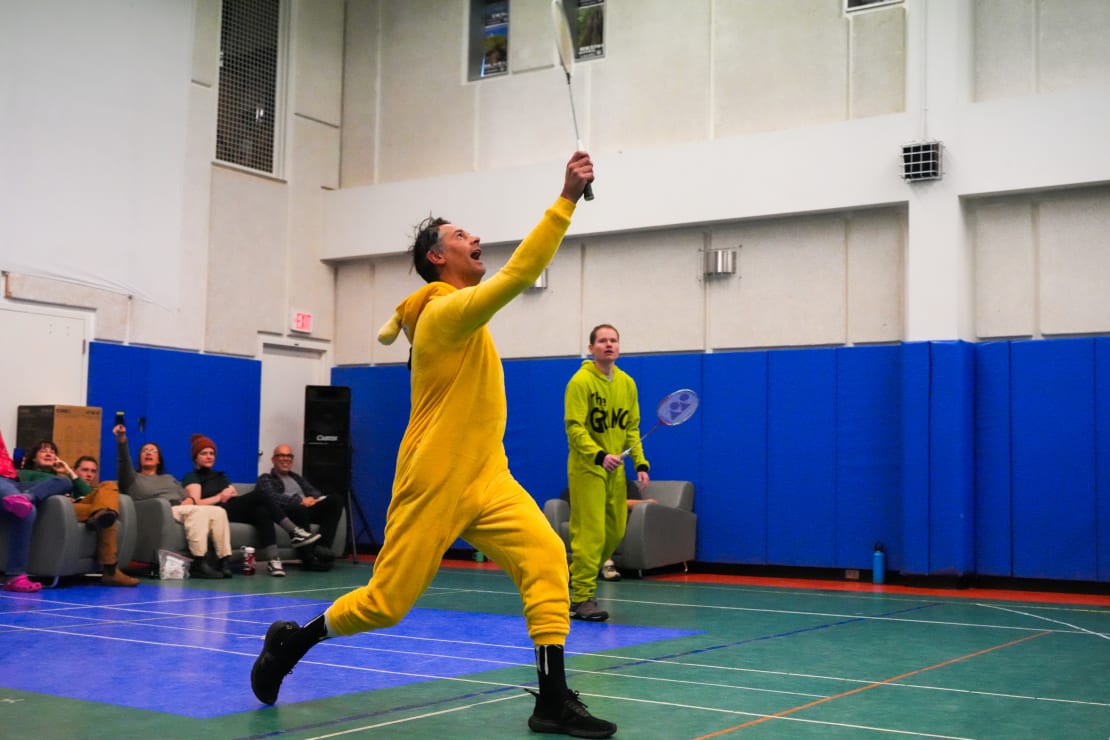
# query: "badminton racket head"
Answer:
x=564 y=44
x=677 y=407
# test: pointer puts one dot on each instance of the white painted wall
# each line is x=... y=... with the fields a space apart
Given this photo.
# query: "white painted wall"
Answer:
x=774 y=127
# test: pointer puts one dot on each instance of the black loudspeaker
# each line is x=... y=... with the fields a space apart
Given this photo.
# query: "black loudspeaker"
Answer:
x=328 y=467
x=327 y=415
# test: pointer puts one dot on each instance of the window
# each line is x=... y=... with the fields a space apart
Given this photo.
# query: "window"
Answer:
x=251 y=58
x=587 y=22
x=489 y=34
x=489 y=38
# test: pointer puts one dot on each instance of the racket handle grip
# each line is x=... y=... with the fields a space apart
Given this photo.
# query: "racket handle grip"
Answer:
x=588 y=193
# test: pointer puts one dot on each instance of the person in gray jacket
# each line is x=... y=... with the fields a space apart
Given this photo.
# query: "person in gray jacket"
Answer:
x=152 y=481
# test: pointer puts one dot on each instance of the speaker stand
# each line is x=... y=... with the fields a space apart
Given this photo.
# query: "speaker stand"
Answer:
x=353 y=507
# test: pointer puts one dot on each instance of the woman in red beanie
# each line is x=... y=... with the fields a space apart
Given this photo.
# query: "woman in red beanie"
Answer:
x=206 y=486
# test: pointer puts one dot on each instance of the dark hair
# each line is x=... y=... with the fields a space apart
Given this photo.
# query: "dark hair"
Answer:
x=83 y=458
x=29 y=459
x=161 y=468
x=593 y=332
x=426 y=239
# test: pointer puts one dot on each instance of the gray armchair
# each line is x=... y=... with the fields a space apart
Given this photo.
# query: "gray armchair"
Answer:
x=158 y=530
x=658 y=534
x=62 y=546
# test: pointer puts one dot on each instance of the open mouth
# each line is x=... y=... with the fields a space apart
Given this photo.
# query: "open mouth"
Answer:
x=476 y=254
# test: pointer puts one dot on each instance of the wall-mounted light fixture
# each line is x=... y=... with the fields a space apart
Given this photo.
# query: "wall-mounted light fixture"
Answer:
x=720 y=262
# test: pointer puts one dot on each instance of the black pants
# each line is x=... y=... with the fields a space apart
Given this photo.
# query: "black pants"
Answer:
x=257 y=509
x=326 y=513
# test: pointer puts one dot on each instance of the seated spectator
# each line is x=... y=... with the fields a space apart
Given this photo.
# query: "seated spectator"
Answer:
x=209 y=487
x=151 y=481
x=304 y=504
x=19 y=512
x=98 y=509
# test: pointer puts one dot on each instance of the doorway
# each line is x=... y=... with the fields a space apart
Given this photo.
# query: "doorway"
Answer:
x=286 y=370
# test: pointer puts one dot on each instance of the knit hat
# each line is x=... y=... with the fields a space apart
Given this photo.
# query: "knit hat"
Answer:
x=197 y=443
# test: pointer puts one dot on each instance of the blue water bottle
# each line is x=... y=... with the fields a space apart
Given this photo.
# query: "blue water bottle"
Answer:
x=878 y=564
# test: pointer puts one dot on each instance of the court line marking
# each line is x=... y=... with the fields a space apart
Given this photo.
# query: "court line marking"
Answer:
x=874 y=685
x=733 y=712
x=418 y=717
x=611 y=671
x=1047 y=619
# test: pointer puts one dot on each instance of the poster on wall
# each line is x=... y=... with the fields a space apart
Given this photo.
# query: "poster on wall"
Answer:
x=495 y=22
x=591 y=29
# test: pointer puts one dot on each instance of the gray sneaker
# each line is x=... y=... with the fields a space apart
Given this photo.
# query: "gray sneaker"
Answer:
x=588 y=610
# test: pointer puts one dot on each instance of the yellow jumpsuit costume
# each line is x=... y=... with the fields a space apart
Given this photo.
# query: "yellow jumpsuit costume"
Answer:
x=453 y=476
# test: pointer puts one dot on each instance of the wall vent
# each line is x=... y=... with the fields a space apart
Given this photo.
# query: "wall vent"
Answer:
x=921 y=161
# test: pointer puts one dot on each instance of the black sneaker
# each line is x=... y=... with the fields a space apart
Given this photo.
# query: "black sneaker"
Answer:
x=301 y=538
x=201 y=568
x=271 y=666
x=588 y=610
x=567 y=717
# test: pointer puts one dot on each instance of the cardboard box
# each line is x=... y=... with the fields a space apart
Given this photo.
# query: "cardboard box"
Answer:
x=75 y=429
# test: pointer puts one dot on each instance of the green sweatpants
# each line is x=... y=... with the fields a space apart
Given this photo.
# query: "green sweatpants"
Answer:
x=598 y=517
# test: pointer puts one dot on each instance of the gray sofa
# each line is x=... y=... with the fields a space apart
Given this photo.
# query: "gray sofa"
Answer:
x=658 y=534
x=62 y=546
x=157 y=530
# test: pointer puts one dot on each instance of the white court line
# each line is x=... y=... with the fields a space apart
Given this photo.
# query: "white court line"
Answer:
x=676 y=705
x=610 y=656
x=1054 y=621
x=795 y=612
x=418 y=717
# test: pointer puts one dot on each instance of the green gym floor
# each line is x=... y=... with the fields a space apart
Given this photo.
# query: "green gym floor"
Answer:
x=683 y=656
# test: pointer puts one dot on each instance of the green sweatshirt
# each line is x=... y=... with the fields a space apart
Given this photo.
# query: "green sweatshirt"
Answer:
x=602 y=416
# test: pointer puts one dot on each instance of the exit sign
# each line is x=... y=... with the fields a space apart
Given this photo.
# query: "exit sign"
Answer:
x=302 y=321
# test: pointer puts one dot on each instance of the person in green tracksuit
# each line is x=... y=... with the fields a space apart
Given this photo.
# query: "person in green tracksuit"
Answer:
x=602 y=416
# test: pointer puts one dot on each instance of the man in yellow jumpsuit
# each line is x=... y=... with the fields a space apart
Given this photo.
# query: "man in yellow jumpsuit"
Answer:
x=453 y=477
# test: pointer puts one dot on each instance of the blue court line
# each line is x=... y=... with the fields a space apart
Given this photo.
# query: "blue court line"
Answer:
x=761 y=638
x=164 y=648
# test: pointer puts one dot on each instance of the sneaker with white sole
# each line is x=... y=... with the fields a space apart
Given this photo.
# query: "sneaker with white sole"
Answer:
x=275 y=568
x=609 y=572
x=589 y=611
x=301 y=538
x=567 y=716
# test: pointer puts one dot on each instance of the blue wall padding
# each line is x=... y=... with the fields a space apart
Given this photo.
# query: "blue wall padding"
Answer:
x=1102 y=455
x=990 y=458
x=993 y=537
x=916 y=375
x=952 y=459
x=731 y=497
x=674 y=453
x=380 y=404
x=801 y=457
x=535 y=440
x=868 y=450
x=1054 y=515
x=172 y=394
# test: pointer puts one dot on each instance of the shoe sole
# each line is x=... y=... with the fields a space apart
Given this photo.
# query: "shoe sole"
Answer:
x=552 y=727
x=597 y=617
x=272 y=633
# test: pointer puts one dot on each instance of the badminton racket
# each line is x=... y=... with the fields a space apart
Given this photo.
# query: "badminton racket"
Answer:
x=675 y=408
x=565 y=46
